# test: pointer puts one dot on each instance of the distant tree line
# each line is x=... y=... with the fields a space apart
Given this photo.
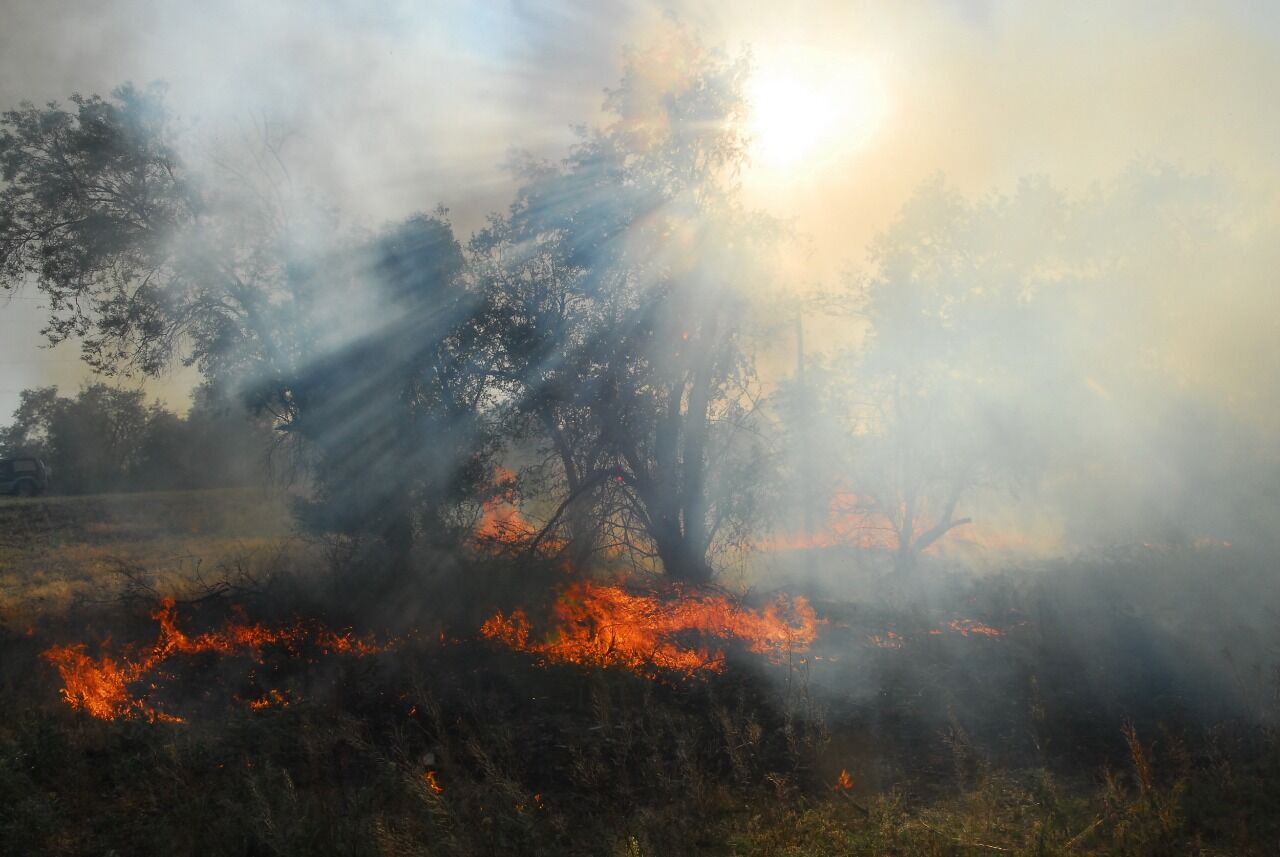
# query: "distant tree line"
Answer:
x=107 y=439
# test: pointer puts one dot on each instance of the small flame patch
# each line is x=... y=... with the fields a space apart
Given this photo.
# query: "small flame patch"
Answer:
x=610 y=626
x=100 y=686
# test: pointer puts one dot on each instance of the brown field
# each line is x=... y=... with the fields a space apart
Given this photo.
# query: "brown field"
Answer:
x=57 y=552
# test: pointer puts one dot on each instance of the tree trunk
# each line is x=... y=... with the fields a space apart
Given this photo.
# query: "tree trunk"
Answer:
x=682 y=560
x=583 y=531
x=581 y=527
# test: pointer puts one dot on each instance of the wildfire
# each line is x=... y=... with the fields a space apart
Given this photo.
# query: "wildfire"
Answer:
x=887 y=640
x=272 y=699
x=969 y=627
x=963 y=627
x=433 y=782
x=854 y=521
x=100 y=686
x=501 y=520
x=844 y=782
x=609 y=626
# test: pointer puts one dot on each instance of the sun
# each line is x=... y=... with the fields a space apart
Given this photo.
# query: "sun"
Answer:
x=807 y=110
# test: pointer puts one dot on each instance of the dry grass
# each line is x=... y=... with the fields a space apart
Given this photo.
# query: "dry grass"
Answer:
x=58 y=552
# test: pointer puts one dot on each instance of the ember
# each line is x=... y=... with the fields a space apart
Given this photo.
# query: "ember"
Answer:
x=100 y=686
x=887 y=640
x=968 y=627
x=964 y=627
x=272 y=699
x=609 y=626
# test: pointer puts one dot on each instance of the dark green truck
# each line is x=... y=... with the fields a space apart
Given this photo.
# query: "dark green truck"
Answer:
x=25 y=477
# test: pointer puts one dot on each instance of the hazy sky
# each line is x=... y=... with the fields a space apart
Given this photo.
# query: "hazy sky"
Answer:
x=400 y=106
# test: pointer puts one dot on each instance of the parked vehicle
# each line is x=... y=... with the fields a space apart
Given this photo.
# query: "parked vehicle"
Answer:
x=25 y=477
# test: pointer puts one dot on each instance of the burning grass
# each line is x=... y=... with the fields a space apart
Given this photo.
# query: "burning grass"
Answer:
x=673 y=631
x=595 y=625
x=111 y=687
x=472 y=748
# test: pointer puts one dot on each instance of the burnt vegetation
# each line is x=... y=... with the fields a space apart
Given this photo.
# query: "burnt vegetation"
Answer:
x=505 y=492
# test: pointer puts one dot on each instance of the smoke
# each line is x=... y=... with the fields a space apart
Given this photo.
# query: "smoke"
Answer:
x=1099 y=352
x=382 y=114
x=1064 y=344
x=399 y=110
x=1163 y=332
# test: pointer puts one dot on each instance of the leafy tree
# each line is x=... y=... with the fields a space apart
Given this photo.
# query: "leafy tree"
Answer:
x=989 y=324
x=101 y=211
x=933 y=393
x=28 y=434
x=394 y=417
x=98 y=437
x=609 y=309
x=618 y=283
x=357 y=347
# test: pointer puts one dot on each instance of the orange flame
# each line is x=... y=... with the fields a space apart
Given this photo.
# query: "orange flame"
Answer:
x=609 y=626
x=273 y=698
x=502 y=523
x=964 y=627
x=968 y=627
x=854 y=521
x=100 y=686
x=500 y=517
x=844 y=782
x=433 y=782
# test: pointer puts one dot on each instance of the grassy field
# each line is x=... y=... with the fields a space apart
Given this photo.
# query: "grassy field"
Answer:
x=56 y=552
x=1083 y=729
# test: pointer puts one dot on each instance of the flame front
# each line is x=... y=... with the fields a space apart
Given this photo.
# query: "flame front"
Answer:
x=100 y=686
x=964 y=627
x=971 y=627
x=609 y=626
